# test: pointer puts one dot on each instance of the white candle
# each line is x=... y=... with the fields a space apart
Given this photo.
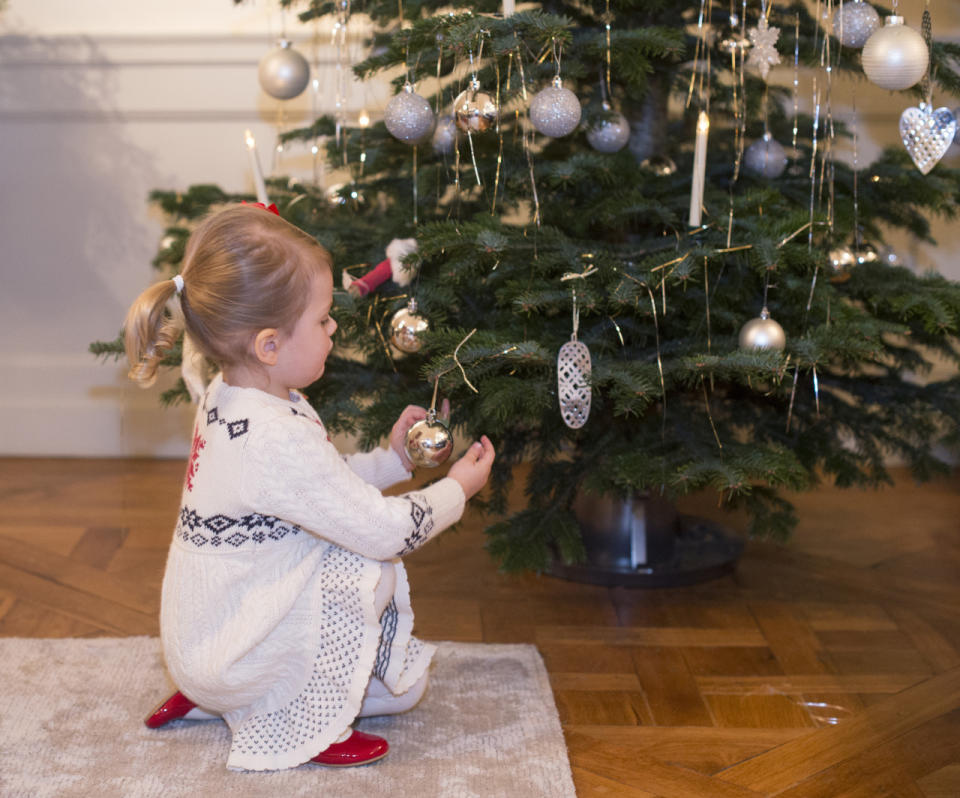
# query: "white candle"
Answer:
x=255 y=165
x=699 y=169
x=509 y=6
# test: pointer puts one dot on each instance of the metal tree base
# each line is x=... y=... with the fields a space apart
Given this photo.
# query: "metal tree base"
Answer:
x=644 y=542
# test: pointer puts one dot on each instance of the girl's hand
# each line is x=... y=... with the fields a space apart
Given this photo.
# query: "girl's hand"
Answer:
x=410 y=416
x=473 y=469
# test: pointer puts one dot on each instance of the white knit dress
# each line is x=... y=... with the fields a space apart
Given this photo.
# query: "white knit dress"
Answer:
x=268 y=597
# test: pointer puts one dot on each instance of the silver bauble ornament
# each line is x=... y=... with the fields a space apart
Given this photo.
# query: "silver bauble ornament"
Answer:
x=765 y=157
x=429 y=442
x=895 y=56
x=854 y=22
x=444 y=135
x=762 y=333
x=555 y=111
x=474 y=111
x=408 y=116
x=611 y=134
x=283 y=72
x=956 y=136
x=660 y=165
x=406 y=328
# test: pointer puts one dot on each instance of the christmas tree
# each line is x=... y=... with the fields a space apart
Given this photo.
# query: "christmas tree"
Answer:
x=620 y=174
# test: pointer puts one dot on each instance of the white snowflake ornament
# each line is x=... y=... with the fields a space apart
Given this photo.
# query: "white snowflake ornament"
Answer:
x=763 y=54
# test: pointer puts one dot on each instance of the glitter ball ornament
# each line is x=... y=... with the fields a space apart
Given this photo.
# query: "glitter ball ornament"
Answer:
x=555 y=111
x=765 y=157
x=762 y=333
x=610 y=134
x=660 y=165
x=406 y=328
x=474 y=111
x=429 y=442
x=283 y=72
x=854 y=22
x=444 y=135
x=408 y=116
x=895 y=56
x=927 y=134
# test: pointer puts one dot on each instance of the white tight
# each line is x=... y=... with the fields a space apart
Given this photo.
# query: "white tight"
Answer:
x=378 y=700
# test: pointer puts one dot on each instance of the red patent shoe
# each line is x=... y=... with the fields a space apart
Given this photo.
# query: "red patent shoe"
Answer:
x=359 y=748
x=174 y=707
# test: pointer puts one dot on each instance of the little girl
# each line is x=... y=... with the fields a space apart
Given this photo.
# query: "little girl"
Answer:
x=285 y=606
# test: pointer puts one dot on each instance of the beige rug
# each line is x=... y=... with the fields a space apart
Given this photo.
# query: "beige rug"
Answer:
x=71 y=725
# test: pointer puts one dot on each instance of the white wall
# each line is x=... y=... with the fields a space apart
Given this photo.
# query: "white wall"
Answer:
x=101 y=102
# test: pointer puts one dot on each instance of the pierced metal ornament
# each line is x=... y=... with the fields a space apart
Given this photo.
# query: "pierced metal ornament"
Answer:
x=927 y=134
x=573 y=382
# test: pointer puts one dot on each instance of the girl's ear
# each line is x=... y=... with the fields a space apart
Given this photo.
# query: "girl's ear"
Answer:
x=266 y=346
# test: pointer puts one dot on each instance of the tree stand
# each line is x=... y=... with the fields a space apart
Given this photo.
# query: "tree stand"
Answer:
x=643 y=542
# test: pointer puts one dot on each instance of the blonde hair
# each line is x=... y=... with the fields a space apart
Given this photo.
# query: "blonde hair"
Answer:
x=244 y=270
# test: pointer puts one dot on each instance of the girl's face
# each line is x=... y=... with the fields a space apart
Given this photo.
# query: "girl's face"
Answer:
x=303 y=353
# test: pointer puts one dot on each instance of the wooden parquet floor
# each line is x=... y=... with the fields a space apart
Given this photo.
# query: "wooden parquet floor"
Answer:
x=828 y=667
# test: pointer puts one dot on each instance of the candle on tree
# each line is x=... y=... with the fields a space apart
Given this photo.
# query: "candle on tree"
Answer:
x=255 y=165
x=699 y=169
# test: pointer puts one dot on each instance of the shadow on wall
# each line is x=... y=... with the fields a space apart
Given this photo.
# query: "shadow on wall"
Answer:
x=77 y=243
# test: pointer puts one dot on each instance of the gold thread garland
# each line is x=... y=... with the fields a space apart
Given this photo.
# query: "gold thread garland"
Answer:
x=706 y=401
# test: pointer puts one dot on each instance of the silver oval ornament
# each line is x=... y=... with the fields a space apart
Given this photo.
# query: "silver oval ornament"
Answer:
x=573 y=383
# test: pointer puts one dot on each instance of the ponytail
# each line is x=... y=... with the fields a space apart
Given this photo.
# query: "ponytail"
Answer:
x=150 y=331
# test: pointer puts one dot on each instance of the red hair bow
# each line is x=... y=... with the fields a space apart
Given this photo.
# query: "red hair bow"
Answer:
x=271 y=207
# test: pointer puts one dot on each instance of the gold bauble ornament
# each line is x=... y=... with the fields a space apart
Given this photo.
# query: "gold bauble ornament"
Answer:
x=406 y=328
x=429 y=442
x=474 y=111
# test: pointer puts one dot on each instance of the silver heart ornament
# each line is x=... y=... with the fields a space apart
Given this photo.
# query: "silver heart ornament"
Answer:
x=927 y=134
